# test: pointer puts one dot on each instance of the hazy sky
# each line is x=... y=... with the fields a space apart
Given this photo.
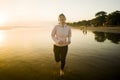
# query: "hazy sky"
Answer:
x=23 y=11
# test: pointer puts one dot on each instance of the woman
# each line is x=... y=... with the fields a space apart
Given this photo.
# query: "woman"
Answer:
x=61 y=35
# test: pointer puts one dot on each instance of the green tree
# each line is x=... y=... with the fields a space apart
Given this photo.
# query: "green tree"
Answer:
x=101 y=13
x=113 y=19
x=100 y=18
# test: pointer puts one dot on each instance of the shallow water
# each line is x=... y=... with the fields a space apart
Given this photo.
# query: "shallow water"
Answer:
x=26 y=54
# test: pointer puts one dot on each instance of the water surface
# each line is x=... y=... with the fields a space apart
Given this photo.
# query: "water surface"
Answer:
x=26 y=54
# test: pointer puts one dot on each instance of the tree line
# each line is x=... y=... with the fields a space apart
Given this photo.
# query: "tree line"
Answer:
x=101 y=19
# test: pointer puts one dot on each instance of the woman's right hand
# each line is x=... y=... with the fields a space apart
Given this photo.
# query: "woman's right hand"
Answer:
x=60 y=42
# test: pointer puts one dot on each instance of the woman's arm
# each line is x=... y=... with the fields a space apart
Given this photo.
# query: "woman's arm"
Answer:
x=53 y=34
x=69 y=36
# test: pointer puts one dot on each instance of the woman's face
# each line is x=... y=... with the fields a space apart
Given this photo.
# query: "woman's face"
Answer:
x=61 y=19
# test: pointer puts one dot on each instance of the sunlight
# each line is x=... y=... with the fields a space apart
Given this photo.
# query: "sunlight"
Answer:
x=1 y=37
x=2 y=19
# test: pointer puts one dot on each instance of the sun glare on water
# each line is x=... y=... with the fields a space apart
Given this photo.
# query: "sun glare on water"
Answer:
x=2 y=19
x=2 y=37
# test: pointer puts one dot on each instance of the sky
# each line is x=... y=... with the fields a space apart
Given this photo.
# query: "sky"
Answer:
x=35 y=12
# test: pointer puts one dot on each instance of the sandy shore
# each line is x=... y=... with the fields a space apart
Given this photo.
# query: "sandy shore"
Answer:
x=101 y=29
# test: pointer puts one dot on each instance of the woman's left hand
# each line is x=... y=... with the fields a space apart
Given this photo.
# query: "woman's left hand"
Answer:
x=68 y=42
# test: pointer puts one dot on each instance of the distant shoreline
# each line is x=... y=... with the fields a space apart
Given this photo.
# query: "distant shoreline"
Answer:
x=98 y=29
x=101 y=29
